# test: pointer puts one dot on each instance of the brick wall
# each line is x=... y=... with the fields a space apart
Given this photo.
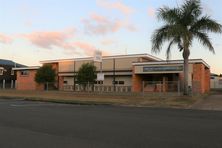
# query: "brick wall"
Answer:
x=27 y=82
x=201 y=75
x=207 y=80
x=61 y=80
x=136 y=82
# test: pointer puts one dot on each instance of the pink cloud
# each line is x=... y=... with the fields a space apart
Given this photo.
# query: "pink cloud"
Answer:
x=5 y=39
x=87 y=48
x=151 y=12
x=108 y=42
x=118 y=5
x=101 y=25
x=49 y=39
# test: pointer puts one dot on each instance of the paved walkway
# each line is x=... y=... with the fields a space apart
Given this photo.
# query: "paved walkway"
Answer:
x=212 y=102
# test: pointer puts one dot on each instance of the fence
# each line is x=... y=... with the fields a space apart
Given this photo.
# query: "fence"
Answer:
x=152 y=87
x=160 y=87
x=96 y=88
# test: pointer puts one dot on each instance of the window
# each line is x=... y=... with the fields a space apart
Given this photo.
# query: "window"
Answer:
x=98 y=82
x=1 y=71
x=65 y=82
x=121 y=82
x=24 y=72
x=115 y=82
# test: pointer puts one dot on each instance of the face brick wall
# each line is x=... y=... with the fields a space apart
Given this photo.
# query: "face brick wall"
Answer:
x=137 y=82
x=27 y=82
x=201 y=77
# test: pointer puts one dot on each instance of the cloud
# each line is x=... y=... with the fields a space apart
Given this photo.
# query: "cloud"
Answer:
x=49 y=39
x=85 y=48
x=108 y=42
x=117 y=5
x=151 y=12
x=5 y=39
x=101 y=25
x=88 y=49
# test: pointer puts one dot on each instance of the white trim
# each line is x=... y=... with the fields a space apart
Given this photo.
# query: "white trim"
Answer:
x=104 y=58
x=191 y=61
x=27 y=68
x=105 y=73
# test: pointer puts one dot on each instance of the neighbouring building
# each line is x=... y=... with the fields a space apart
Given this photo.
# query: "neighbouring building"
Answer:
x=215 y=81
x=7 y=75
x=132 y=73
x=26 y=78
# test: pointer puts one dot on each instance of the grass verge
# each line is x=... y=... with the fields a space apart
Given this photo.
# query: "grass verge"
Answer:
x=102 y=99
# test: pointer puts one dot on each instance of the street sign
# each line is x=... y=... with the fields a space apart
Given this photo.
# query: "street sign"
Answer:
x=100 y=76
x=98 y=56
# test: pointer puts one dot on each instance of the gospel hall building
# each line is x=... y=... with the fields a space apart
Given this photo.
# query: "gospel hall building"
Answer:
x=124 y=73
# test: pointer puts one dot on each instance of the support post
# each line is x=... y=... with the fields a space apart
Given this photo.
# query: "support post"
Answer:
x=178 y=87
x=12 y=84
x=3 y=84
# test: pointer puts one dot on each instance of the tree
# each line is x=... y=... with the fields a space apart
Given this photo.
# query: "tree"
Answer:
x=181 y=25
x=45 y=74
x=86 y=74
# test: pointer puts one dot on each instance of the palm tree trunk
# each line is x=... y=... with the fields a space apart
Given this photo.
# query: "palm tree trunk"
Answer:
x=186 y=54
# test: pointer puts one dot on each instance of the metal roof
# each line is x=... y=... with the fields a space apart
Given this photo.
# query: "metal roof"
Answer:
x=104 y=58
x=26 y=68
x=191 y=61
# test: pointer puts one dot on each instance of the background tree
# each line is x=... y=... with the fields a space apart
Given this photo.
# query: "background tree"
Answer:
x=45 y=74
x=86 y=74
x=181 y=25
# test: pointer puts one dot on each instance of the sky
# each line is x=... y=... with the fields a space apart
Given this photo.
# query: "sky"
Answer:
x=36 y=30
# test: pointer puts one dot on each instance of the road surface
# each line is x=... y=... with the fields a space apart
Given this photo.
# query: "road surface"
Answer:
x=26 y=124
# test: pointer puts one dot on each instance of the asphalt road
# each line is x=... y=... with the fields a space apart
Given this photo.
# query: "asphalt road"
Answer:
x=47 y=125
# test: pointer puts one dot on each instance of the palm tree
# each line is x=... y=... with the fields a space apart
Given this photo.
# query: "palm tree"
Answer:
x=181 y=25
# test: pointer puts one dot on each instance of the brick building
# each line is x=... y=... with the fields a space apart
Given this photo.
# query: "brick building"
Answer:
x=26 y=78
x=130 y=73
x=7 y=75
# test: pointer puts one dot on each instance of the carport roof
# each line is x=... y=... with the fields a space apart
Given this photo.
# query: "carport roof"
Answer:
x=27 y=68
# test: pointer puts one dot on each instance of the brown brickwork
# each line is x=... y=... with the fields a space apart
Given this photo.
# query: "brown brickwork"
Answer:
x=61 y=79
x=27 y=82
x=136 y=82
x=207 y=80
x=201 y=75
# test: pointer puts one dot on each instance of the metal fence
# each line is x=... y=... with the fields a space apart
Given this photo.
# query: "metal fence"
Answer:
x=152 y=87
x=96 y=88
x=160 y=86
